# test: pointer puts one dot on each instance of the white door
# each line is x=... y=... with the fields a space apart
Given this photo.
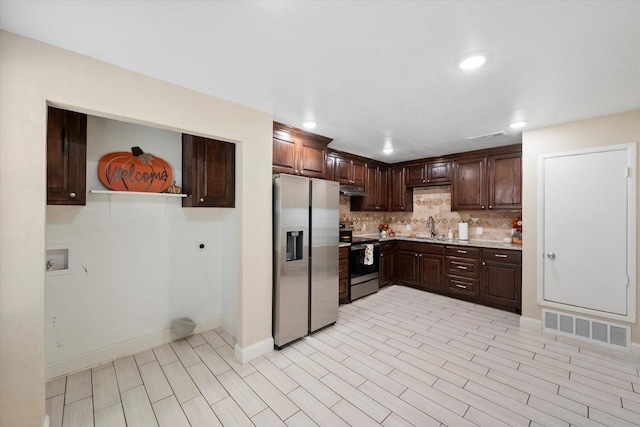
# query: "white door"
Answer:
x=586 y=230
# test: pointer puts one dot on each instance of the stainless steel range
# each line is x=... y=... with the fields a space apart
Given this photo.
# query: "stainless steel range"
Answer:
x=364 y=258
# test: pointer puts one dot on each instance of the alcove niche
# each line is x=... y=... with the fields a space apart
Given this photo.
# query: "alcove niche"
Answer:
x=137 y=262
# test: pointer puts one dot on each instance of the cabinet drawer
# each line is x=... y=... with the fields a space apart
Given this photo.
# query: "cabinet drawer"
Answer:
x=427 y=248
x=387 y=246
x=343 y=268
x=462 y=286
x=502 y=255
x=465 y=267
x=463 y=251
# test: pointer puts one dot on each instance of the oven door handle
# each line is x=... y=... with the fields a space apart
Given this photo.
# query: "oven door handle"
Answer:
x=364 y=246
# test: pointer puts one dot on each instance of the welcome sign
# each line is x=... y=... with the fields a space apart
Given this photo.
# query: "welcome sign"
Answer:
x=134 y=171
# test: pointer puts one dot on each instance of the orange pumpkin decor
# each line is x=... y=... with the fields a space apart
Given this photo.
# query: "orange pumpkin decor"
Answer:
x=135 y=171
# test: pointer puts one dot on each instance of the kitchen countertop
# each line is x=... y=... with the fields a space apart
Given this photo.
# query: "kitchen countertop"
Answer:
x=493 y=244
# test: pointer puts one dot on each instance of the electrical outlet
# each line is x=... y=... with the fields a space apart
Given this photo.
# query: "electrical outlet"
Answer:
x=364 y=227
x=479 y=231
x=408 y=227
x=201 y=246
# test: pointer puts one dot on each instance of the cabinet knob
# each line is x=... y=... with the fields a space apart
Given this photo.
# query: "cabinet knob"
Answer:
x=423 y=180
x=201 y=199
x=484 y=263
x=415 y=254
x=72 y=195
x=428 y=180
x=420 y=255
x=401 y=208
x=482 y=207
x=490 y=207
x=381 y=255
x=551 y=255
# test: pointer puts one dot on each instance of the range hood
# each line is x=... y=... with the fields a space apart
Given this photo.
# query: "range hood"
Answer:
x=352 y=191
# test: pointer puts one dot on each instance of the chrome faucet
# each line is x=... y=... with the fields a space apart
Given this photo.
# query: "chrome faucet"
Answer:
x=432 y=223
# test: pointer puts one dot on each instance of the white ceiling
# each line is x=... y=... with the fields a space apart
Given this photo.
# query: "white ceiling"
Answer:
x=369 y=70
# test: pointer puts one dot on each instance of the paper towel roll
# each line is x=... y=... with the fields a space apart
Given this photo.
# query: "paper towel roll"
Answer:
x=463 y=231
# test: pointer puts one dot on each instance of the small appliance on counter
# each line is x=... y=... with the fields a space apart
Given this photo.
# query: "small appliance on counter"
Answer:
x=346 y=232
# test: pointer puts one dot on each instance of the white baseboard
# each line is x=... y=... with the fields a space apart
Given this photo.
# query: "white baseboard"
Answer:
x=530 y=323
x=126 y=348
x=229 y=326
x=253 y=351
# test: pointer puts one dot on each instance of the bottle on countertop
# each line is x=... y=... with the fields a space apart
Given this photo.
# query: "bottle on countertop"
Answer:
x=450 y=235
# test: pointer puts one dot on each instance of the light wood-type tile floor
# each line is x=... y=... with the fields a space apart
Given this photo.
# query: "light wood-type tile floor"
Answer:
x=400 y=357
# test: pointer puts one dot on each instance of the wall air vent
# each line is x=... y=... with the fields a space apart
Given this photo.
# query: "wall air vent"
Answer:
x=597 y=331
x=488 y=136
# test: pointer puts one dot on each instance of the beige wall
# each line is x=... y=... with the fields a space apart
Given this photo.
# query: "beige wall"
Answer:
x=32 y=74
x=603 y=131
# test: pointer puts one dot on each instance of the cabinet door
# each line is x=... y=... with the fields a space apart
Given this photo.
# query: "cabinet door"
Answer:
x=371 y=188
x=342 y=170
x=208 y=172
x=408 y=268
x=469 y=188
x=386 y=268
x=505 y=182
x=415 y=176
x=383 y=189
x=502 y=285
x=357 y=172
x=401 y=196
x=431 y=272
x=66 y=157
x=438 y=173
x=331 y=166
x=312 y=159
x=284 y=156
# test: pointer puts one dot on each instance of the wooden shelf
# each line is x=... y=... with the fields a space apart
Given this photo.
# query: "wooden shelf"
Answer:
x=136 y=193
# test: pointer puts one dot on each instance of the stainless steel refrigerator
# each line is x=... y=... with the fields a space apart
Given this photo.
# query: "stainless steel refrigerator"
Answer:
x=305 y=259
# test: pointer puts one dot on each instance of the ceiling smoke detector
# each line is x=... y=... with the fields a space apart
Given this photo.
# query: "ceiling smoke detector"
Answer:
x=489 y=135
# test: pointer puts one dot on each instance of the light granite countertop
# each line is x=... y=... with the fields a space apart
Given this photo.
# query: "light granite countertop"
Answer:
x=492 y=244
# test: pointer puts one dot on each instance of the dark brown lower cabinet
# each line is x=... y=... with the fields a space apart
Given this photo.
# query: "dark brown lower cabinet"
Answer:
x=502 y=279
x=420 y=265
x=387 y=263
x=208 y=172
x=491 y=277
x=343 y=275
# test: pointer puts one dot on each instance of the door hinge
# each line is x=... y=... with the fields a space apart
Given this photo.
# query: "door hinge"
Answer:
x=628 y=281
x=627 y=172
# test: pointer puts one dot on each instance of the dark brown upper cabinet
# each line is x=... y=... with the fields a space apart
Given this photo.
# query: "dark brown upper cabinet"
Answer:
x=492 y=182
x=376 y=187
x=349 y=171
x=428 y=174
x=66 y=157
x=504 y=174
x=400 y=196
x=296 y=152
x=208 y=172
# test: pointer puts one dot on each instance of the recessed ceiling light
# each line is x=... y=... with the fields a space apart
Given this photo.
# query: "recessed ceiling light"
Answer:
x=472 y=62
x=309 y=124
x=387 y=150
x=518 y=125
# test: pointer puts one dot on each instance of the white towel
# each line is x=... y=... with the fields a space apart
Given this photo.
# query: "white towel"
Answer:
x=368 y=255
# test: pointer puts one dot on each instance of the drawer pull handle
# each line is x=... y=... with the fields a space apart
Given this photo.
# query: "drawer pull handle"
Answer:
x=462 y=286
x=502 y=256
x=462 y=267
x=461 y=252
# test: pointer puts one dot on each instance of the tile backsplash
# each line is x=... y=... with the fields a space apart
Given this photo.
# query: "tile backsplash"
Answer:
x=435 y=202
